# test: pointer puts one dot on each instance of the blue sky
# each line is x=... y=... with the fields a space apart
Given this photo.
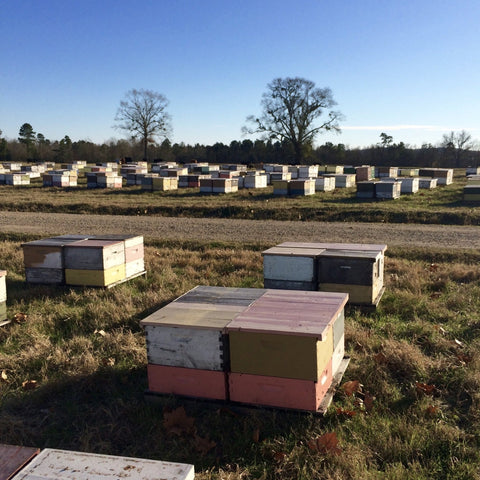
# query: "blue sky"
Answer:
x=405 y=67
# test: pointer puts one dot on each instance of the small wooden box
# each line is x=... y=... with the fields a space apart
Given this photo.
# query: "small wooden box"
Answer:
x=280 y=392
x=428 y=183
x=51 y=464
x=285 y=334
x=206 y=185
x=324 y=184
x=304 y=186
x=95 y=278
x=366 y=189
x=471 y=193
x=190 y=382
x=3 y=286
x=13 y=458
x=3 y=310
x=94 y=254
x=290 y=268
x=388 y=189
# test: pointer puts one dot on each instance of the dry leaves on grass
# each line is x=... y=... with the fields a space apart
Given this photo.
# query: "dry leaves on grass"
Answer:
x=425 y=388
x=326 y=444
x=29 y=384
x=177 y=422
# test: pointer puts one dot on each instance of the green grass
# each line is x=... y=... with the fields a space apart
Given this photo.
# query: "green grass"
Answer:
x=90 y=393
x=443 y=205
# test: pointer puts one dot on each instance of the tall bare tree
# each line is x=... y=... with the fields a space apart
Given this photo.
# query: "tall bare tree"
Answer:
x=457 y=144
x=290 y=108
x=143 y=114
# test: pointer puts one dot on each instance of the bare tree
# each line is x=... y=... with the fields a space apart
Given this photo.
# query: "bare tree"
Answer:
x=456 y=144
x=143 y=114
x=290 y=108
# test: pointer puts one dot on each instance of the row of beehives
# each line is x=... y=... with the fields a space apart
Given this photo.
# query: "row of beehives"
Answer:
x=394 y=187
x=93 y=260
x=263 y=347
x=27 y=463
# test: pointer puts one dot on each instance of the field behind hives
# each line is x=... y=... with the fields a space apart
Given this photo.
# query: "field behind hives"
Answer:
x=73 y=365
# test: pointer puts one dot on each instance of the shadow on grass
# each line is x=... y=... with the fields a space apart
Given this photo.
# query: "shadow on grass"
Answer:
x=108 y=413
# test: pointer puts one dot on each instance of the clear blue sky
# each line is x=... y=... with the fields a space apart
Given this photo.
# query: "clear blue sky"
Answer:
x=409 y=68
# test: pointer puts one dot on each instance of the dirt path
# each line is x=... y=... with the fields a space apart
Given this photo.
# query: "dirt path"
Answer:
x=248 y=231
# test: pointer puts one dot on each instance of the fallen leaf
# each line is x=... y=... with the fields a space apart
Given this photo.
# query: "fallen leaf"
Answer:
x=326 y=444
x=4 y=375
x=432 y=411
x=352 y=387
x=203 y=445
x=100 y=332
x=368 y=400
x=29 y=384
x=380 y=358
x=279 y=456
x=177 y=422
x=19 y=317
x=425 y=388
x=458 y=342
x=440 y=329
x=464 y=358
x=348 y=413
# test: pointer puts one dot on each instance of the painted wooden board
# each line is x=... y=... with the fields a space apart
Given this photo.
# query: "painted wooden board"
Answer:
x=194 y=315
x=338 y=327
x=336 y=246
x=188 y=382
x=338 y=354
x=3 y=286
x=290 y=285
x=94 y=254
x=95 y=278
x=134 y=267
x=295 y=264
x=471 y=197
x=3 y=310
x=13 y=458
x=280 y=392
x=204 y=349
x=275 y=355
x=36 y=255
x=222 y=295
x=54 y=276
x=358 y=294
x=291 y=312
x=51 y=464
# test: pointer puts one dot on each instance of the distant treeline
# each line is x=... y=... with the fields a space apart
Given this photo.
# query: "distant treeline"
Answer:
x=247 y=152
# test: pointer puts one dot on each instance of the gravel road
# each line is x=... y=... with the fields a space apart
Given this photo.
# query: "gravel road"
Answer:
x=247 y=231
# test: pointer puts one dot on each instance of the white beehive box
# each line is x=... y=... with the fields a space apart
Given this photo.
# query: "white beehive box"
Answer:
x=51 y=464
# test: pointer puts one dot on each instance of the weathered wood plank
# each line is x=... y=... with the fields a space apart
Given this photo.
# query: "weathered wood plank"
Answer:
x=95 y=278
x=13 y=458
x=94 y=254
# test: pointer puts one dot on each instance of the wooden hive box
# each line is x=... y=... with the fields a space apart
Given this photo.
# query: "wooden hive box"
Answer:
x=388 y=189
x=280 y=187
x=408 y=172
x=206 y=185
x=308 y=171
x=281 y=349
x=357 y=272
x=97 y=263
x=164 y=184
x=44 y=260
x=13 y=458
x=291 y=268
x=255 y=181
x=366 y=189
x=471 y=193
x=304 y=186
x=51 y=464
x=473 y=180
x=186 y=345
x=472 y=171
x=426 y=182
x=280 y=176
x=364 y=173
x=335 y=169
x=410 y=185
x=444 y=175
x=324 y=184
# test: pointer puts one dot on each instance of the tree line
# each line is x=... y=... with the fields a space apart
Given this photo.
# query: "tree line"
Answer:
x=288 y=124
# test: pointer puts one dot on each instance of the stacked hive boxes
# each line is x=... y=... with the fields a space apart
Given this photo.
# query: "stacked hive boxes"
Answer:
x=3 y=295
x=428 y=183
x=356 y=269
x=51 y=464
x=364 y=173
x=106 y=179
x=444 y=175
x=84 y=260
x=266 y=347
x=255 y=180
x=386 y=172
x=388 y=189
x=16 y=179
x=343 y=180
x=409 y=185
x=324 y=184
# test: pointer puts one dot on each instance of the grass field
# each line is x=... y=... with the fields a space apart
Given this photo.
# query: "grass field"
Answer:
x=73 y=374
x=442 y=205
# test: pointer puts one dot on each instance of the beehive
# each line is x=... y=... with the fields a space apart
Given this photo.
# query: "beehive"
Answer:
x=163 y=184
x=324 y=184
x=471 y=193
x=427 y=183
x=410 y=185
x=186 y=344
x=281 y=349
x=308 y=171
x=366 y=189
x=356 y=269
x=291 y=268
x=206 y=185
x=408 y=172
x=51 y=464
x=224 y=185
x=302 y=186
x=386 y=172
x=364 y=173
x=444 y=175
x=343 y=180
x=280 y=187
x=388 y=189
x=255 y=181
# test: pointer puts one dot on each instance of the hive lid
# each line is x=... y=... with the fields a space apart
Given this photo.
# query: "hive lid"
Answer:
x=337 y=246
x=296 y=251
